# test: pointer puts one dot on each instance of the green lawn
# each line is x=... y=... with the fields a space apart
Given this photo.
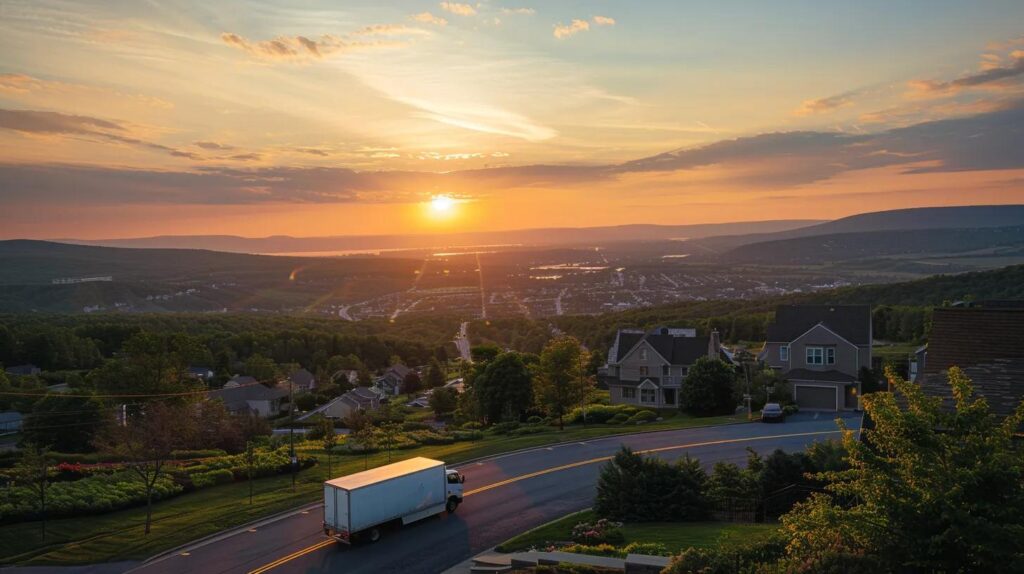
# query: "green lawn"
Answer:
x=676 y=536
x=118 y=535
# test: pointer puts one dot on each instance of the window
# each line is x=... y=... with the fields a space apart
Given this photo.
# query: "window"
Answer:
x=648 y=396
x=664 y=370
x=643 y=371
x=643 y=354
x=628 y=393
x=815 y=355
x=784 y=353
x=830 y=355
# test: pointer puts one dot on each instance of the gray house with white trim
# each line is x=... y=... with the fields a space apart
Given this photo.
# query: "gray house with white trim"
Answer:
x=820 y=350
x=648 y=368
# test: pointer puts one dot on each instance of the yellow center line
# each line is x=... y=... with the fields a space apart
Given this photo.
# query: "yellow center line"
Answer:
x=330 y=541
x=293 y=556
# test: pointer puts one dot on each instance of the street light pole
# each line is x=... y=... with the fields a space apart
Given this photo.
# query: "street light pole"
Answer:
x=291 y=429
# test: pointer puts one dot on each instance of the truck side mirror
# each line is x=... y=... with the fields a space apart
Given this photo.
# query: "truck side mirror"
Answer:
x=462 y=479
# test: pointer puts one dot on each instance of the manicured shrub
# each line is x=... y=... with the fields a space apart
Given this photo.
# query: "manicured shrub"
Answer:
x=602 y=531
x=415 y=426
x=472 y=425
x=598 y=414
x=648 y=548
x=92 y=495
x=527 y=430
x=504 y=428
x=642 y=417
x=210 y=478
x=595 y=550
x=535 y=420
x=468 y=435
x=790 y=410
x=193 y=454
x=618 y=419
x=430 y=437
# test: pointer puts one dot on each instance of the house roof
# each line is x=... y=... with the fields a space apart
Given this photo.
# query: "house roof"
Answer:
x=301 y=377
x=10 y=417
x=1000 y=381
x=851 y=322
x=22 y=370
x=987 y=343
x=830 y=376
x=240 y=380
x=967 y=336
x=677 y=349
x=242 y=394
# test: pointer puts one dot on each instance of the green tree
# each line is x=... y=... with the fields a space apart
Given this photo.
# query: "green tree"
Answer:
x=708 y=388
x=146 y=441
x=411 y=383
x=328 y=440
x=484 y=353
x=435 y=374
x=261 y=368
x=505 y=388
x=443 y=402
x=929 y=490
x=64 y=424
x=635 y=488
x=561 y=383
x=31 y=472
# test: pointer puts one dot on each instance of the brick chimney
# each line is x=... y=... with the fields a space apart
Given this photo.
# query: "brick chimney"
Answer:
x=714 y=344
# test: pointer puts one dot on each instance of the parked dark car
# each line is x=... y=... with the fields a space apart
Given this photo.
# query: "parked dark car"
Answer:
x=772 y=413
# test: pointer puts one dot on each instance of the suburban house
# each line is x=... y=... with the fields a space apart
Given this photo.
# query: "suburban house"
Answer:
x=10 y=421
x=23 y=370
x=820 y=350
x=390 y=383
x=985 y=341
x=257 y=399
x=240 y=381
x=358 y=399
x=648 y=368
x=302 y=380
x=201 y=373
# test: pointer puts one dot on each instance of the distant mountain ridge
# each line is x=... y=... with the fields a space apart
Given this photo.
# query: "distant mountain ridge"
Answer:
x=541 y=236
x=918 y=218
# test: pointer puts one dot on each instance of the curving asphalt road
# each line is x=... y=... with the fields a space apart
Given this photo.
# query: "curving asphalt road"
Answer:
x=506 y=495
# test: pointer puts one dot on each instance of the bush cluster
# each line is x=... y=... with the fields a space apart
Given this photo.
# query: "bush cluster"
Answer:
x=92 y=495
x=607 y=414
x=603 y=531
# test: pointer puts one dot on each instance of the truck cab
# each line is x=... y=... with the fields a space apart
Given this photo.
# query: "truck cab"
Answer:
x=454 y=488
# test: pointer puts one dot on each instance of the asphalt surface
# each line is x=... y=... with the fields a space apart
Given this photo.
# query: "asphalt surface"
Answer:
x=505 y=495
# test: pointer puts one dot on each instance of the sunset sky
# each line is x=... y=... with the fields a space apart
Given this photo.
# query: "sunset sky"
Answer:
x=140 y=118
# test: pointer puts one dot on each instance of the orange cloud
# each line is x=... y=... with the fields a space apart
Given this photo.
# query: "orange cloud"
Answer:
x=458 y=8
x=428 y=18
x=573 y=28
x=823 y=105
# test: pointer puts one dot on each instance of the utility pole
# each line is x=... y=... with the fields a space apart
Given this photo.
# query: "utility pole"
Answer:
x=291 y=429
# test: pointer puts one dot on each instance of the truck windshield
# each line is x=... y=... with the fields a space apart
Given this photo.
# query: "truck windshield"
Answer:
x=454 y=478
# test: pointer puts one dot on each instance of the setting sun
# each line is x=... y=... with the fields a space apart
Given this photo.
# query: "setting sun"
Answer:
x=442 y=205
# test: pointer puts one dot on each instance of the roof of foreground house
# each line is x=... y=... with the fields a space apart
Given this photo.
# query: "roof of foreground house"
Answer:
x=851 y=322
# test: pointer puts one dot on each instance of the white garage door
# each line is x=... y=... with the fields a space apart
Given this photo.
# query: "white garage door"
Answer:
x=815 y=398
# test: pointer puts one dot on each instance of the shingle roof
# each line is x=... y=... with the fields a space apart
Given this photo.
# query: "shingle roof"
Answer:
x=1000 y=381
x=301 y=377
x=677 y=350
x=851 y=322
x=830 y=376
x=964 y=337
x=252 y=392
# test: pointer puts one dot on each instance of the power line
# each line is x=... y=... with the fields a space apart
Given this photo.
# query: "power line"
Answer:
x=123 y=396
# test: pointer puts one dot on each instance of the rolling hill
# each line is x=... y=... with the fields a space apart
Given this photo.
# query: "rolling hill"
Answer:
x=919 y=218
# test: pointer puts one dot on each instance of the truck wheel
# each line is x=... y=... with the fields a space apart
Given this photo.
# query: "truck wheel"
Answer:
x=453 y=503
x=372 y=535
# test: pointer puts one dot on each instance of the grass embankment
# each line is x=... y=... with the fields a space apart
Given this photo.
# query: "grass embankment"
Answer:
x=676 y=536
x=118 y=535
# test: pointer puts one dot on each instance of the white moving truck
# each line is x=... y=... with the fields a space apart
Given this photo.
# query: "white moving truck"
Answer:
x=359 y=505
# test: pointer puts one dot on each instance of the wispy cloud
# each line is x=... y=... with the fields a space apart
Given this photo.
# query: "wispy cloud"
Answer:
x=571 y=29
x=301 y=48
x=576 y=26
x=823 y=105
x=458 y=8
x=213 y=145
x=428 y=18
x=30 y=86
x=518 y=11
x=995 y=72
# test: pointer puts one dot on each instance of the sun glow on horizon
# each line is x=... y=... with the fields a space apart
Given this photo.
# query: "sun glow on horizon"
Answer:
x=441 y=206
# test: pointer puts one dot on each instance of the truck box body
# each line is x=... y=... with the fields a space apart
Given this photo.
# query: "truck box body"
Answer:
x=410 y=488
